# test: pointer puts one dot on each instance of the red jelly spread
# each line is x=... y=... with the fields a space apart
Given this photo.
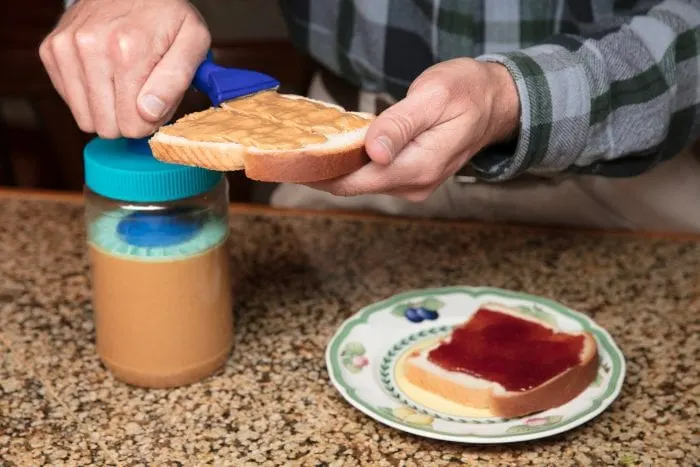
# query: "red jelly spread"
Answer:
x=516 y=353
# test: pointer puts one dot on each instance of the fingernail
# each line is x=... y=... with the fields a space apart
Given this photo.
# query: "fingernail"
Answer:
x=386 y=142
x=153 y=105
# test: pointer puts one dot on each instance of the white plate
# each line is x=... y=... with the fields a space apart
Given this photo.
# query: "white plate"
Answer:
x=363 y=355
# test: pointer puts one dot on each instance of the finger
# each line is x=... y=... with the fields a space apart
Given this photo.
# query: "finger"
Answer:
x=99 y=85
x=424 y=162
x=133 y=62
x=173 y=74
x=71 y=72
x=403 y=172
x=47 y=59
x=398 y=125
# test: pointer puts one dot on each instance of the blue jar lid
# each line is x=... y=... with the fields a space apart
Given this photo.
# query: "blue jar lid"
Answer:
x=125 y=170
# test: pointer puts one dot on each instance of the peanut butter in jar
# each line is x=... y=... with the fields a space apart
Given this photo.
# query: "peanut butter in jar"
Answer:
x=158 y=247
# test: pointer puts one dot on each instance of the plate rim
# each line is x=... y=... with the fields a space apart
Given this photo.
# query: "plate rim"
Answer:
x=362 y=315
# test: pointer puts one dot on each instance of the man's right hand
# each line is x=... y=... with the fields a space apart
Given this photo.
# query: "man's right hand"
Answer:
x=122 y=66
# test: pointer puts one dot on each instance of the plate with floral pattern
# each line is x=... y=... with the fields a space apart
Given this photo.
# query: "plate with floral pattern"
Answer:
x=365 y=358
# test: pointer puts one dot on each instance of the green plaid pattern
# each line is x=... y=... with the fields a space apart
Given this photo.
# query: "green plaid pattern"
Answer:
x=607 y=87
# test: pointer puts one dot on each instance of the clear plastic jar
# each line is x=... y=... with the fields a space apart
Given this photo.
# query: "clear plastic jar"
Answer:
x=158 y=246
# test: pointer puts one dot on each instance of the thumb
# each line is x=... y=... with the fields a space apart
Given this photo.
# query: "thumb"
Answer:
x=172 y=76
x=401 y=123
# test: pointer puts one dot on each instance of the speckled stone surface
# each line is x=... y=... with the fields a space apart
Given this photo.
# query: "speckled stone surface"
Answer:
x=299 y=277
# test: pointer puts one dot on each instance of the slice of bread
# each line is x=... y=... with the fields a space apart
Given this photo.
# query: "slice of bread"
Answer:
x=474 y=389
x=273 y=137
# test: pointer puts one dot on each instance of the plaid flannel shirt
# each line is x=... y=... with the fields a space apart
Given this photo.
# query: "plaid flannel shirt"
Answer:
x=609 y=87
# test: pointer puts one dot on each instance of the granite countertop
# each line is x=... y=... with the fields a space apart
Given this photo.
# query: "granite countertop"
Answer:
x=299 y=276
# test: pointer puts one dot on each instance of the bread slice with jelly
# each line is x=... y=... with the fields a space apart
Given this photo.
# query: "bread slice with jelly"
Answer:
x=506 y=362
x=273 y=137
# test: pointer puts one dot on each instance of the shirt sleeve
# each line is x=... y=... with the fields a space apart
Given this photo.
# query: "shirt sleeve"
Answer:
x=613 y=103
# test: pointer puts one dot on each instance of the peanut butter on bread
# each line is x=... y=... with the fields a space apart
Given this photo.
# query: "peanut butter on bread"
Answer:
x=226 y=126
x=303 y=113
x=273 y=137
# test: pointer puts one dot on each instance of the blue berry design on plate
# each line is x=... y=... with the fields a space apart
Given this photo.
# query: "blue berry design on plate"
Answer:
x=417 y=312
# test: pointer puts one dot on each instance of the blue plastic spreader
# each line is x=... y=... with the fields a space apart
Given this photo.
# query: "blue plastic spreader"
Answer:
x=223 y=84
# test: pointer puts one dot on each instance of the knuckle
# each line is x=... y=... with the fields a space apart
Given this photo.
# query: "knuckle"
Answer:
x=439 y=91
x=126 y=45
x=86 y=40
x=437 y=88
x=61 y=43
x=45 y=51
x=420 y=81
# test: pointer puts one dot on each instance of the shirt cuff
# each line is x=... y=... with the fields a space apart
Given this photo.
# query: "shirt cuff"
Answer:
x=555 y=103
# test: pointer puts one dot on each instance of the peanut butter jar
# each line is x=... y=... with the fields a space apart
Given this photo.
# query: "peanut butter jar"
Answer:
x=157 y=238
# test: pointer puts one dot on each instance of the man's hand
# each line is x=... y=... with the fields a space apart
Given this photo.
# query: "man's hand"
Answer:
x=122 y=66
x=451 y=111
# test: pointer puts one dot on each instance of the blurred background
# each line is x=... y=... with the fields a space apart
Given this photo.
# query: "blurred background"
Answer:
x=40 y=144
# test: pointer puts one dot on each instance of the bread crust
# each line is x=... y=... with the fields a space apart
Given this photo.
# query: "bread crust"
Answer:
x=552 y=393
x=303 y=166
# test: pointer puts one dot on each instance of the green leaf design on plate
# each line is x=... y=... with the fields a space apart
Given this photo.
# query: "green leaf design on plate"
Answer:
x=417 y=425
x=537 y=312
x=350 y=354
x=534 y=424
x=432 y=303
x=354 y=349
x=350 y=366
x=518 y=429
x=399 y=310
x=604 y=368
x=598 y=379
x=407 y=416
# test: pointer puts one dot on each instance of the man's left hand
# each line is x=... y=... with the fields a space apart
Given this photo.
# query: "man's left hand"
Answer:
x=451 y=111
